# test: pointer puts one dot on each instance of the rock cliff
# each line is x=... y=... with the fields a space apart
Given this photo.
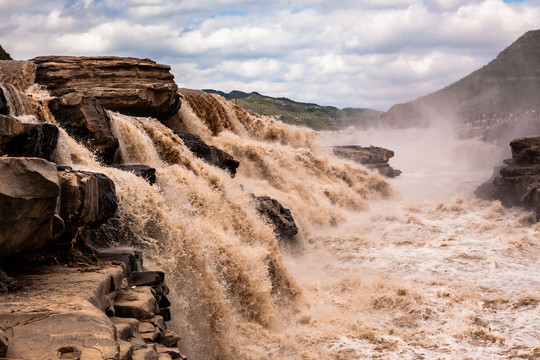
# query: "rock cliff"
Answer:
x=517 y=183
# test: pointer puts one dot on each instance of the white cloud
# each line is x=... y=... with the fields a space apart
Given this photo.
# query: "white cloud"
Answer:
x=347 y=53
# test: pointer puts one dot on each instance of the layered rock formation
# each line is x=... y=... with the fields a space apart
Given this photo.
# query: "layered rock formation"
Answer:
x=518 y=182
x=24 y=139
x=138 y=87
x=90 y=312
x=373 y=157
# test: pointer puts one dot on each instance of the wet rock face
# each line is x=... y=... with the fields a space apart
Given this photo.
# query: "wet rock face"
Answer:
x=146 y=172
x=138 y=87
x=87 y=198
x=87 y=121
x=284 y=226
x=518 y=182
x=209 y=153
x=25 y=139
x=373 y=157
x=29 y=189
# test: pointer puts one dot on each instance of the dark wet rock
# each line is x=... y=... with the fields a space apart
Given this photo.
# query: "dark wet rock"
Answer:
x=146 y=172
x=146 y=278
x=130 y=259
x=209 y=153
x=3 y=344
x=138 y=303
x=86 y=121
x=87 y=198
x=138 y=87
x=279 y=216
x=29 y=189
x=518 y=182
x=373 y=157
x=25 y=139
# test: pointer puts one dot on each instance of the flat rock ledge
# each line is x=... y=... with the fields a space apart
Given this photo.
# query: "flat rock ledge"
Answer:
x=107 y=311
x=373 y=157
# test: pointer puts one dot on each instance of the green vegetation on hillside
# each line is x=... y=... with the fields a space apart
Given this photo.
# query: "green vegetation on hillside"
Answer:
x=311 y=115
x=4 y=55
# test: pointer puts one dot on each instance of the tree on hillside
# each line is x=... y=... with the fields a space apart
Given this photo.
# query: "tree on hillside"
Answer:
x=4 y=55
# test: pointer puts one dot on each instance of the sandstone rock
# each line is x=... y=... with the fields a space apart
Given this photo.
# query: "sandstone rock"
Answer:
x=125 y=327
x=126 y=350
x=29 y=189
x=146 y=278
x=138 y=303
x=169 y=338
x=373 y=157
x=87 y=198
x=86 y=121
x=279 y=216
x=3 y=344
x=46 y=335
x=144 y=171
x=130 y=259
x=518 y=182
x=145 y=354
x=209 y=153
x=138 y=87
x=170 y=351
x=25 y=139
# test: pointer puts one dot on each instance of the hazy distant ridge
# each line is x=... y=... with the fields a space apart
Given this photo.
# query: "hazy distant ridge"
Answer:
x=508 y=84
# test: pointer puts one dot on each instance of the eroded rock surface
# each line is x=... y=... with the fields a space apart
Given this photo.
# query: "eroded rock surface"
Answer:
x=27 y=139
x=29 y=189
x=86 y=121
x=279 y=216
x=209 y=153
x=138 y=87
x=518 y=182
x=87 y=198
x=373 y=157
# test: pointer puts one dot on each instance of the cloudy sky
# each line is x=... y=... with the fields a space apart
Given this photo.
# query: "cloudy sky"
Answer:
x=363 y=53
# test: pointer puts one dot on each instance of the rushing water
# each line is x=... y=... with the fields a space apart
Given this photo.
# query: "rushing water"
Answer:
x=410 y=268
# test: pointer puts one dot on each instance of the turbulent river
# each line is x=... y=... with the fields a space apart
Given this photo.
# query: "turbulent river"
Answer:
x=408 y=268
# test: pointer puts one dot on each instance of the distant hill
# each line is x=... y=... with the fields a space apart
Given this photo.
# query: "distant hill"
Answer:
x=505 y=90
x=311 y=115
x=4 y=55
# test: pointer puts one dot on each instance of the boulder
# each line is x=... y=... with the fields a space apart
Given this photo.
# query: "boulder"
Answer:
x=279 y=216
x=27 y=139
x=144 y=171
x=138 y=87
x=138 y=303
x=517 y=183
x=125 y=327
x=209 y=153
x=86 y=121
x=373 y=157
x=29 y=190
x=88 y=199
x=169 y=338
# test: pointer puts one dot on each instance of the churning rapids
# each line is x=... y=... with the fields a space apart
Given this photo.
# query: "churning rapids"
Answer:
x=410 y=268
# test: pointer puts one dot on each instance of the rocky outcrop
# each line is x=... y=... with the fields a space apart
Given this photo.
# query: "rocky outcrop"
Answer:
x=278 y=216
x=27 y=139
x=88 y=199
x=373 y=157
x=209 y=153
x=518 y=182
x=138 y=87
x=70 y=313
x=29 y=189
x=87 y=121
x=146 y=172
